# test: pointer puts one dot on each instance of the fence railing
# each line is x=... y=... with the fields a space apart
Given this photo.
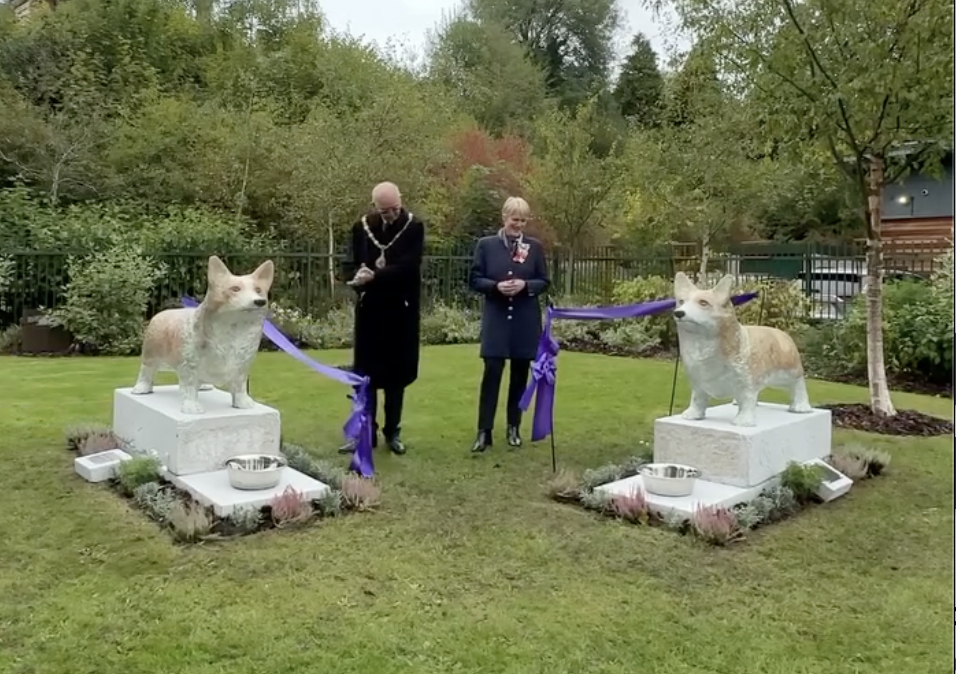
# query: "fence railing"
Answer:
x=313 y=281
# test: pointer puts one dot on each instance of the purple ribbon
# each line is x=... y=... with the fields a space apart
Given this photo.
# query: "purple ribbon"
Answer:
x=545 y=365
x=358 y=427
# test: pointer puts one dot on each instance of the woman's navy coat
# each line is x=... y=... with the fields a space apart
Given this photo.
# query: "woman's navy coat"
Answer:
x=510 y=326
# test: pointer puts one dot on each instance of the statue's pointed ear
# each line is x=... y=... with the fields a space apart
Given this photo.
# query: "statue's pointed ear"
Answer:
x=723 y=288
x=217 y=269
x=683 y=286
x=265 y=273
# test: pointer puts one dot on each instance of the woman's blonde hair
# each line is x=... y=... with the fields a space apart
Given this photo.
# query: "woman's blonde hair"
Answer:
x=516 y=206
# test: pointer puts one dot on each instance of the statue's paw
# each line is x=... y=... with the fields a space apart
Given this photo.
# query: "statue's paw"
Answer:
x=243 y=402
x=745 y=420
x=141 y=389
x=192 y=407
x=801 y=408
x=692 y=414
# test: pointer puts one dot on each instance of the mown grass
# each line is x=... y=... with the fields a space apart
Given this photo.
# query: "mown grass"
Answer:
x=467 y=567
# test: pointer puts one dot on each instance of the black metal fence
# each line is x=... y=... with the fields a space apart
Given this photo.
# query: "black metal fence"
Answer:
x=313 y=281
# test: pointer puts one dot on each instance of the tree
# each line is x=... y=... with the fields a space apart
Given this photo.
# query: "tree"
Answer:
x=695 y=90
x=640 y=86
x=489 y=73
x=575 y=192
x=572 y=41
x=871 y=85
x=701 y=181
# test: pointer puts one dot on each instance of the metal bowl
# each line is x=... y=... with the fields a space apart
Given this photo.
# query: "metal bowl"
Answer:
x=255 y=471
x=669 y=479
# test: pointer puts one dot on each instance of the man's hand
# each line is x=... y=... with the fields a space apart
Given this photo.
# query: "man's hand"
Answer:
x=362 y=276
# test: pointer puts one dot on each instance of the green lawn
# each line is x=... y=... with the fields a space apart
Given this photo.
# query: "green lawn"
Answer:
x=468 y=567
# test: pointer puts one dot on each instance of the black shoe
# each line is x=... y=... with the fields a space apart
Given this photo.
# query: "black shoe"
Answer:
x=396 y=445
x=482 y=442
x=349 y=447
x=514 y=437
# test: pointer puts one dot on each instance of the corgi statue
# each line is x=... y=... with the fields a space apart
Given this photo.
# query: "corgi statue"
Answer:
x=726 y=359
x=214 y=343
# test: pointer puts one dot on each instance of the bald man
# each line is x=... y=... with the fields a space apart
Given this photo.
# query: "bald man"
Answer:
x=384 y=266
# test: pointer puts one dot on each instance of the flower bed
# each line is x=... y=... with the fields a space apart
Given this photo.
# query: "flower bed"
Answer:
x=716 y=525
x=139 y=481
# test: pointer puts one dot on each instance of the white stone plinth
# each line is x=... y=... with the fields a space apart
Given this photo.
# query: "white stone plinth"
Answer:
x=213 y=490
x=193 y=443
x=743 y=456
x=101 y=466
x=704 y=494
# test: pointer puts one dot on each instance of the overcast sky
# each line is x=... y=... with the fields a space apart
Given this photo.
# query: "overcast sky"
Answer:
x=409 y=21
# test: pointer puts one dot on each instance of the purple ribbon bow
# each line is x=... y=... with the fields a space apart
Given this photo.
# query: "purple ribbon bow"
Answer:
x=545 y=365
x=358 y=427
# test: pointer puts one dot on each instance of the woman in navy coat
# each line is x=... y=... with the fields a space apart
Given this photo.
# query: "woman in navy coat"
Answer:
x=511 y=271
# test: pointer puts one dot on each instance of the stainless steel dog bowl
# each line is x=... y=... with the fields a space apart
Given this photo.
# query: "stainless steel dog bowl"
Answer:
x=252 y=472
x=669 y=479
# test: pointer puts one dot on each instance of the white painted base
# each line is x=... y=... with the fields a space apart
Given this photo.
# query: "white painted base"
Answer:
x=213 y=490
x=743 y=456
x=193 y=443
x=835 y=484
x=101 y=466
x=704 y=494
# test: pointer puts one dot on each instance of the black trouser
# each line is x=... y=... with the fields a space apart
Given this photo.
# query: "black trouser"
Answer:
x=394 y=401
x=491 y=383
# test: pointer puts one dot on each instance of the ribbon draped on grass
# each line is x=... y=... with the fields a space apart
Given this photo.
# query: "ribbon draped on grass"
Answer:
x=545 y=366
x=358 y=427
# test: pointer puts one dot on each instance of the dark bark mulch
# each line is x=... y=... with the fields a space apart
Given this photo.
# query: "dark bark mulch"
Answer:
x=860 y=417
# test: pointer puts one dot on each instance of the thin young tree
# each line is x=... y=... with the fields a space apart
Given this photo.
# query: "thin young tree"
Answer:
x=868 y=83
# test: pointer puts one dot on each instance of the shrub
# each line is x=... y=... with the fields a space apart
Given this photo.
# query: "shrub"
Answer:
x=749 y=515
x=245 y=520
x=764 y=508
x=802 y=479
x=156 y=500
x=854 y=467
x=76 y=435
x=917 y=331
x=564 y=486
x=661 y=329
x=99 y=441
x=444 y=324
x=331 y=503
x=10 y=339
x=137 y=471
x=360 y=494
x=190 y=521
x=598 y=501
x=633 y=337
x=632 y=507
x=716 y=525
x=106 y=299
x=673 y=520
x=595 y=477
x=290 y=507
x=781 y=501
x=323 y=471
x=874 y=460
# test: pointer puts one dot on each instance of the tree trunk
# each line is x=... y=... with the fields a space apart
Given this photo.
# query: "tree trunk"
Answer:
x=880 y=401
x=332 y=257
x=704 y=255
